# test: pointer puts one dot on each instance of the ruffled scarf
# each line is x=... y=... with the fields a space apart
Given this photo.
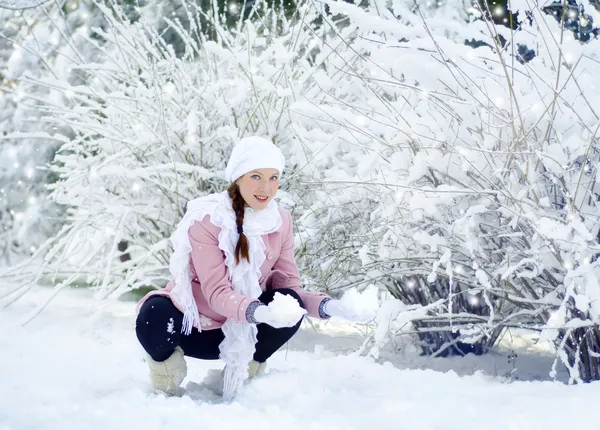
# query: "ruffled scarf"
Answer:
x=238 y=347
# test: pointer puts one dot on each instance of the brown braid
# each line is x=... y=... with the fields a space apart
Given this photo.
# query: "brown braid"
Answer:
x=238 y=203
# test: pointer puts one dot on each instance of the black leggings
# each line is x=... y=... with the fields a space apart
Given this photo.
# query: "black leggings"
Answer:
x=158 y=313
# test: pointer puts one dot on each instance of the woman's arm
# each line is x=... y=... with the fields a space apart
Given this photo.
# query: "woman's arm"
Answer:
x=313 y=300
x=209 y=263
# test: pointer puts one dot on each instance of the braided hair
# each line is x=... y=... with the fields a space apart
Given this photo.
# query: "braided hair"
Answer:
x=238 y=203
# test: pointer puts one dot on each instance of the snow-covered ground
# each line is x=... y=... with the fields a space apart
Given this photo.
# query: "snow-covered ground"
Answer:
x=65 y=370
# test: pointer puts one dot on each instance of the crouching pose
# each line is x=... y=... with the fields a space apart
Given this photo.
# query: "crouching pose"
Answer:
x=233 y=252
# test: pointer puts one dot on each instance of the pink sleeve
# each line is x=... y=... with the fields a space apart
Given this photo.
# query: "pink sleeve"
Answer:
x=287 y=264
x=213 y=276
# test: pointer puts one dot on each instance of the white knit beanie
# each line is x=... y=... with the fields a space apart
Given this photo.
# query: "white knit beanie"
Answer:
x=253 y=153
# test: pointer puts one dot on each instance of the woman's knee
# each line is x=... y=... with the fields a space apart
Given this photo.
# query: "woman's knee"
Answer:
x=157 y=310
x=157 y=327
x=156 y=305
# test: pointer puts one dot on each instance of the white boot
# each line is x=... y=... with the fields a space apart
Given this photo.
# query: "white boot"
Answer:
x=166 y=375
x=256 y=369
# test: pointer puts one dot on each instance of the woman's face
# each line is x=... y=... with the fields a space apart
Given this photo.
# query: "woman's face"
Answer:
x=258 y=187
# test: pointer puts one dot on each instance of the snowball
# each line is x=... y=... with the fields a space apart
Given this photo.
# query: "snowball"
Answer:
x=364 y=305
x=285 y=309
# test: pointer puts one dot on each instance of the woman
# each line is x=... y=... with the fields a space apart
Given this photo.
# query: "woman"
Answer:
x=232 y=252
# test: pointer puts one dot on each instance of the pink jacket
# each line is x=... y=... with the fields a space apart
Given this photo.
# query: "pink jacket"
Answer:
x=211 y=286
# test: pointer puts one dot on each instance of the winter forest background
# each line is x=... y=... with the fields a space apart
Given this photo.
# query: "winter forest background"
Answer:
x=444 y=153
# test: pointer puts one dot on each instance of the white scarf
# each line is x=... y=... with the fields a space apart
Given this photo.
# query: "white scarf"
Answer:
x=238 y=347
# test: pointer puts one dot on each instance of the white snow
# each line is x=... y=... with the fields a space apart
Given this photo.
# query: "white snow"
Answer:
x=285 y=311
x=66 y=370
x=170 y=326
x=364 y=304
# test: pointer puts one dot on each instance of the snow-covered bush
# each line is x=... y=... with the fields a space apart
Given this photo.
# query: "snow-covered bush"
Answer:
x=478 y=168
x=26 y=215
x=39 y=41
